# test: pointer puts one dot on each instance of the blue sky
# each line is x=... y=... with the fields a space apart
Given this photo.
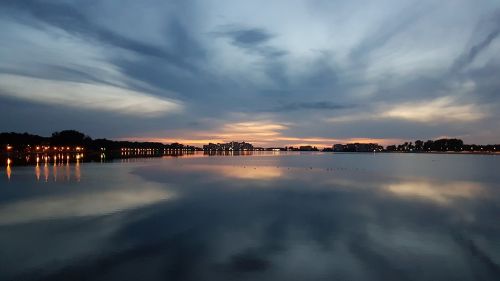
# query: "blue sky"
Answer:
x=270 y=72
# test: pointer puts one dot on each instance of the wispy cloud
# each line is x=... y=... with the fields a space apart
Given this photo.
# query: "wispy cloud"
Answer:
x=86 y=96
x=249 y=36
x=479 y=45
x=437 y=111
x=320 y=105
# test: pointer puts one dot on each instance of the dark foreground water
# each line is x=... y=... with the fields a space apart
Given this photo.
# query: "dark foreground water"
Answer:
x=261 y=217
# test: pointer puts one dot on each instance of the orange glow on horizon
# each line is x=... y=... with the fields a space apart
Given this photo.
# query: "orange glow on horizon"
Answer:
x=268 y=142
x=264 y=133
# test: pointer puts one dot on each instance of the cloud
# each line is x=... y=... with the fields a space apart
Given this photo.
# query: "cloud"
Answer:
x=436 y=111
x=253 y=41
x=388 y=28
x=321 y=105
x=86 y=96
x=479 y=45
x=257 y=132
x=246 y=37
x=440 y=110
x=70 y=18
x=353 y=117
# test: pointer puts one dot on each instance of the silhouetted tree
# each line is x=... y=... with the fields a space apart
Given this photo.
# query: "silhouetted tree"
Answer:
x=419 y=145
x=428 y=145
x=69 y=137
x=447 y=145
x=391 y=148
x=24 y=139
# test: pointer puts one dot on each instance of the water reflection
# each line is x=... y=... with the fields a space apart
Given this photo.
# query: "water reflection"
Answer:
x=439 y=192
x=37 y=172
x=56 y=171
x=46 y=171
x=320 y=219
x=8 y=169
x=239 y=172
x=67 y=171
x=79 y=205
x=77 y=171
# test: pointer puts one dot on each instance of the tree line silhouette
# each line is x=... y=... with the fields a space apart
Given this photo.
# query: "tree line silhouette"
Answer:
x=22 y=141
x=442 y=145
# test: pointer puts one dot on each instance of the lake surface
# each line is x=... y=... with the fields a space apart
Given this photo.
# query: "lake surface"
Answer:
x=284 y=216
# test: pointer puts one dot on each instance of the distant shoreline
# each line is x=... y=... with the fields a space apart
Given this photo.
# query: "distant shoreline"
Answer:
x=426 y=152
x=70 y=146
x=19 y=159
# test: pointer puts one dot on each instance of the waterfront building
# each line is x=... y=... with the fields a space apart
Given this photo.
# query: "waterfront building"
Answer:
x=230 y=146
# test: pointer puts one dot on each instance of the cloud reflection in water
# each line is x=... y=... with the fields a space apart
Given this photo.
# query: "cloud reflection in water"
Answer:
x=317 y=222
x=439 y=192
x=96 y=203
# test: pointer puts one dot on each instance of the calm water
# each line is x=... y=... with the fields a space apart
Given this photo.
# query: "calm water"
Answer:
x=295 y=216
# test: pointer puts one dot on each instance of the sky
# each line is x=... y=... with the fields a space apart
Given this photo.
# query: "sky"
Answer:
x=274 y=73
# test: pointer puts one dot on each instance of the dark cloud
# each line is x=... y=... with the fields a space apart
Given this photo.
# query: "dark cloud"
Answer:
x=253 y=40
x=248 y=262
x=320 y=105
x=72 y=19
x=246 y=37
x=480 y=45
x=487 y=83
x=60 y=73
x=387 y=30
